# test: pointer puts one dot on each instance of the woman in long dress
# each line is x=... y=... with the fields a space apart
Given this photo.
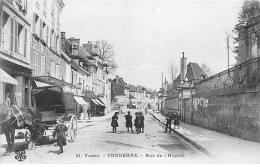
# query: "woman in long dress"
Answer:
x=114 y=122
x=60 y=130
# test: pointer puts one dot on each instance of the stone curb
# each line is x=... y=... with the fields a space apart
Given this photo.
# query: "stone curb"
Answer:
x=198 y=146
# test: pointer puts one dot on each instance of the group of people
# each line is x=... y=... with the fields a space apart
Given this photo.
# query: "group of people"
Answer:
x=172 y=117
x=138 y=122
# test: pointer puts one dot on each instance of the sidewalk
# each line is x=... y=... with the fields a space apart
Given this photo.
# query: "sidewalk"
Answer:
x=223 y=148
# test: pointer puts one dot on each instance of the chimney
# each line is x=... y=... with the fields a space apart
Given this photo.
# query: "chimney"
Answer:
x=117 y=80
x=183 y=67
x=63 y=39
x=63 y=35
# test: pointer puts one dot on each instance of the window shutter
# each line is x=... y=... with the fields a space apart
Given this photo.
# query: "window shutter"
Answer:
x=51 y=38
x=12 y=35
x=16 y=38
x=41 y=25
x=25 y=42
x=34 y=17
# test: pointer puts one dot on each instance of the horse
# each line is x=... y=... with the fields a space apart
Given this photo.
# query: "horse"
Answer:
x=13 y=117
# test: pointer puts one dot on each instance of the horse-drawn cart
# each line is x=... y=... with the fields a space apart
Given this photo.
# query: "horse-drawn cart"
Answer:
x=53 y=103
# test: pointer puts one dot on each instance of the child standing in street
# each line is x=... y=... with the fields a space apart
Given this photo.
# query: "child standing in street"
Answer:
x=60 y=130
x=114 y=122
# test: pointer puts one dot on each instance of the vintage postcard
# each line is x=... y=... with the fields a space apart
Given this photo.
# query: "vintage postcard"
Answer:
x=129 y=81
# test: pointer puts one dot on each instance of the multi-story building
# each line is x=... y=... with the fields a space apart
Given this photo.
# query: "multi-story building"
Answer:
x=46 y=61
x=98 y=73
x=119 y=92
x=14 y=52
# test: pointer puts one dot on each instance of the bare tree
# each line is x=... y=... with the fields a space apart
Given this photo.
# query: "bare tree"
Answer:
x=106 y=53
x=173 y=71
x=247 y=17
x=207 y=70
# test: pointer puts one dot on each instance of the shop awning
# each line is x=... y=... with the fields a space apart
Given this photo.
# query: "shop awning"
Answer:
x=4 y=77
x=41 y=84
x=80 y=100
x=94 y=101
x=100 y=103
x=102 y=100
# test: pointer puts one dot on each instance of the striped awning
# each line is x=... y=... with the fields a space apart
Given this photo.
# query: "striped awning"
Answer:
x=94 y=101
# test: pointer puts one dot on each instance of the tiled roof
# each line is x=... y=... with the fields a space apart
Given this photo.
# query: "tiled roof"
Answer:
x=194 y=72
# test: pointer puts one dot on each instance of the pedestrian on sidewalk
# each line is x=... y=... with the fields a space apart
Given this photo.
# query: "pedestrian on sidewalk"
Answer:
x=137 y=122
x=129 y=123
x=114 y=122
x=141 y=122
x=176 y=120
x=146 y=111
x=169 y=119
x=89 y=112
x=59 y=131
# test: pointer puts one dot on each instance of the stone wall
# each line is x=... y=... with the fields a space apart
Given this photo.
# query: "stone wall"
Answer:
x=228 y=102
x=232 y=111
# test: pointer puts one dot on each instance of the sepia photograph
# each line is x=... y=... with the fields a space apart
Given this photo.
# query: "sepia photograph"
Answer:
x=129 y=82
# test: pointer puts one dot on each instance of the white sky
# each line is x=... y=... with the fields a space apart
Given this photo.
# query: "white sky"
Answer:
x=149 y=34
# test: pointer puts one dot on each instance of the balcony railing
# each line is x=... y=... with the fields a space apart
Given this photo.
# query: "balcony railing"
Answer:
x=245 y=73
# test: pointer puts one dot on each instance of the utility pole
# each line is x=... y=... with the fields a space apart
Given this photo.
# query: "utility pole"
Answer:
x=228 y=51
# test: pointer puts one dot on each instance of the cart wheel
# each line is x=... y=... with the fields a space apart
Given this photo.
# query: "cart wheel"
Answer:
x=74 y=128
x=27 y=137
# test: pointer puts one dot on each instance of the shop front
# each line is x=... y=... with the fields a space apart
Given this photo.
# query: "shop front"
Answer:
x=14 y=83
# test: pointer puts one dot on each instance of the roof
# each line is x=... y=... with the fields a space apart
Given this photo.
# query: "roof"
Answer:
x=119 y=88
x=194 y=72
x=132 y=88
x=131 y=96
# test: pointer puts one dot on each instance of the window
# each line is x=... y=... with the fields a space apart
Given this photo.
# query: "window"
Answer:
x=35 y=63
x=57 y=71
x=43 y=62
x=53 y=69
x=47 y=35
x=6 y=31
x=37 y=24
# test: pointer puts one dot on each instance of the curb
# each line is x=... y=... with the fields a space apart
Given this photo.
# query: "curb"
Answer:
x=198 y=146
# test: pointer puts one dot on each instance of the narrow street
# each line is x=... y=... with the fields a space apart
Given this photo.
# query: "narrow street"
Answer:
x=97 y=144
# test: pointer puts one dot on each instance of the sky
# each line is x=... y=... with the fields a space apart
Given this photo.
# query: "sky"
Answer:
x=147 y=35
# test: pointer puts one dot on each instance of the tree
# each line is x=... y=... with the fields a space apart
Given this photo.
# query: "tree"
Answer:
x=173 y=71
x=106 y=52
x=207 y=70
x=247 y=15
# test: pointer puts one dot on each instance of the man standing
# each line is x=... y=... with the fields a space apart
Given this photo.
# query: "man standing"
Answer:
x=129 y=123
x=142 y=122
x=169 y=119
x=89 y=112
